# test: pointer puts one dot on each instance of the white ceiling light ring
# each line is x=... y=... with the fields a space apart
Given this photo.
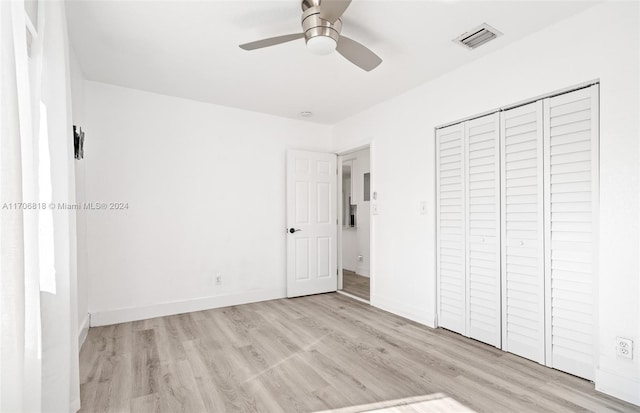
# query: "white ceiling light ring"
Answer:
x=321 y=45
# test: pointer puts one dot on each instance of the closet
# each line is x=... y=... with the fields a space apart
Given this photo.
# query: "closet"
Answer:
x=516 y=202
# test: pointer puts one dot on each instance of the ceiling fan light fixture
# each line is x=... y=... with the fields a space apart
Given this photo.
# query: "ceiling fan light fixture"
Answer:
x=321 y=27
x=322 y=45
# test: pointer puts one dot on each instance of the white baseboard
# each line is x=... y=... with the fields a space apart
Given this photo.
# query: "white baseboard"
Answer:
x=123 y=315
x=84 y=330
x=75 y=406
x=418 y=315
x=623 y=388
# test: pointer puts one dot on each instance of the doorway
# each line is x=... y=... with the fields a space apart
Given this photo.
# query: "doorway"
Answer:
x=354 y=215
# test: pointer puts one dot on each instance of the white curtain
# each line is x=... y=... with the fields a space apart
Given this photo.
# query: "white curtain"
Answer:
x=20 y=343
x=38 y=335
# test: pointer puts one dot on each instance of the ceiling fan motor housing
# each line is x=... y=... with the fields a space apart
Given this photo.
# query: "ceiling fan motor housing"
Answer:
x=313 y=25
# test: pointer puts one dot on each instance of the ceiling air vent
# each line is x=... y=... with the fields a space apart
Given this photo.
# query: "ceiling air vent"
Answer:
x=477 y=36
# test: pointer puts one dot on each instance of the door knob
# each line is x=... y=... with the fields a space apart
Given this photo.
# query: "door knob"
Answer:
x=292 y=230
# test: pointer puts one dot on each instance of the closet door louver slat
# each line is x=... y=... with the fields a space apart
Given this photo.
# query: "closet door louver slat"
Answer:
x=483 y=229
x=451 y=213
x=571 y=180
x=523 y=317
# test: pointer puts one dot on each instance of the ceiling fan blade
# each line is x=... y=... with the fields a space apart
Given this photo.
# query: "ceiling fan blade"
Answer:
x=358 y=54
x=272 y=41
x=332 y=10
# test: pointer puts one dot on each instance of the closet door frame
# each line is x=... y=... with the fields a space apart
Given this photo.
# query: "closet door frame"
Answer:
x=595 y=217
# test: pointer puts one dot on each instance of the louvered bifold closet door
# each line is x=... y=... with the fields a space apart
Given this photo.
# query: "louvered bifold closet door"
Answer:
x=523 y=328
x=571 y=188
x=483 y=229
x=451 y=228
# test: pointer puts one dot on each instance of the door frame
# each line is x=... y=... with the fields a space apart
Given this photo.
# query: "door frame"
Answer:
x=372 y=178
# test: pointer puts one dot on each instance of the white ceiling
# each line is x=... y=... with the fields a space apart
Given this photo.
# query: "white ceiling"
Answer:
x=190 y=49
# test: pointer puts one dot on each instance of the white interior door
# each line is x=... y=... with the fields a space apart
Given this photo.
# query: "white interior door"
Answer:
x=451 y=218
x=483 y=229
x=311 y=223
x=571 y=201
x=523 y=289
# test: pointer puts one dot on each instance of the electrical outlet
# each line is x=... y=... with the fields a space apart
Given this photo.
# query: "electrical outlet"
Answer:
x=218 y=278
x=423 y=208
x=624 y=347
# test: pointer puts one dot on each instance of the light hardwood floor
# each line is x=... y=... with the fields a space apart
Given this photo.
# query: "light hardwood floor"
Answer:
x=355 y=284
x=310 y=354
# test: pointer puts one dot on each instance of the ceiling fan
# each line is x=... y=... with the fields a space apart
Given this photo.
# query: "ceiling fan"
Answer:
x=321 y=25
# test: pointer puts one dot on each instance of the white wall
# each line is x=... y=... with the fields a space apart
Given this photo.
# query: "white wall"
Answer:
x=349 y=249
x=205 y=187
x=600 y=43
x=78 y=118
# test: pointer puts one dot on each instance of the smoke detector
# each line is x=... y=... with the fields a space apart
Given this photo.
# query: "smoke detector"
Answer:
x=477 y=36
